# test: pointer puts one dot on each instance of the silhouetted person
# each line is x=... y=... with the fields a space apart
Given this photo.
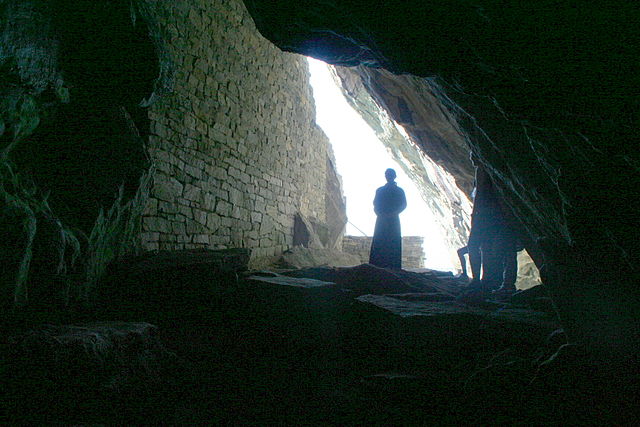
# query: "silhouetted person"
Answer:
x=486 y=227
x=386 y=247
x=492 y=244
x=507 y=247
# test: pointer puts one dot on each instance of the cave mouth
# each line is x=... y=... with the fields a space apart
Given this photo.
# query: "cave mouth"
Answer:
x=367 y=138
x=361 y=157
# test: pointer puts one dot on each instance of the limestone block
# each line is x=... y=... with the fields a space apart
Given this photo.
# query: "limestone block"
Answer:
x=154 y=223
x=166 y=188
x=149 y=237
x=183 y=238
x=213 y=221
x=150 y=245
x=163 y=167
x=201 y=238
x=261 y=205
x=169 y=237
x=185 y=211
x=234 y=173
x=256 y=217
x=192 y=192
x=266 y=226
x=265 y=242
x=272 y=211
x=223 y=207
x=218 y=240
x=193 y=171
x=192 y=227
x=178 y=228
x=200 y=216
x=220 y=194
x=218 y=172
x=151 y=207
x=236 y=212
x=236 y=197
x=208 y=201
x=236 y=163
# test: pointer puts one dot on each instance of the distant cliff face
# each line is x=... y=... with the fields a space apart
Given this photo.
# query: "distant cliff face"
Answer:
x=546 y=96
x=428 y=136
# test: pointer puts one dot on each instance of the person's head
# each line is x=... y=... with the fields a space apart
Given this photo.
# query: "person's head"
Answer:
x=390 y=174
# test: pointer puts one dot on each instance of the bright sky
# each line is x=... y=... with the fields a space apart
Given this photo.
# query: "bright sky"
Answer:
x=361 y=160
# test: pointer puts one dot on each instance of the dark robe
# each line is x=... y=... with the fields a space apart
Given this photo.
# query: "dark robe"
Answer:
x=492 y=242
x=386 y=247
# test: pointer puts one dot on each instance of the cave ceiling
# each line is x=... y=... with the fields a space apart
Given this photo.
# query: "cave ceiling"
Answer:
x=547 y=92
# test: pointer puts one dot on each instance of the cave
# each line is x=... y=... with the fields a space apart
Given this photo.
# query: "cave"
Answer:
x=173 y=219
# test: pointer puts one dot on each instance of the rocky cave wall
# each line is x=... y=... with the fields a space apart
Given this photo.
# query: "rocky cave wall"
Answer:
x=546 y=93
x=71 y=100
x=73 y=125
x=235 y=148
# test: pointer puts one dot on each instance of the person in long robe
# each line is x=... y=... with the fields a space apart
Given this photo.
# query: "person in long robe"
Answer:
x=386 y=247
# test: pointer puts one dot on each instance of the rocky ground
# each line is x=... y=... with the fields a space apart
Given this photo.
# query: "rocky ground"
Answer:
x=190 y=339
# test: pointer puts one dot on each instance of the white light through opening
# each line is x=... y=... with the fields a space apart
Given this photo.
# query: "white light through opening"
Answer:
x=361 y=159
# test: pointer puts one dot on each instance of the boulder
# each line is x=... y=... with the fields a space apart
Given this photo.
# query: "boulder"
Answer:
x=224 y=261
x=165 y=285
x=59 y=372
x=301 y=257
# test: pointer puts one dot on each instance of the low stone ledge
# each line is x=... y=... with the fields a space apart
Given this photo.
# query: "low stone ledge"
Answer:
x=223 y=260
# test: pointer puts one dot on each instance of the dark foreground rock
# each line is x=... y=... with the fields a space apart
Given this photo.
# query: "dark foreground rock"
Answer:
x=63 y=373
x=369 y=279
x=166 y=284
x=224 y=261
x=345 y=346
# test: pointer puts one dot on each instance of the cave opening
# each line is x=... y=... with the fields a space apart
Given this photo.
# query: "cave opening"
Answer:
x=367 y=138
x=360 y=159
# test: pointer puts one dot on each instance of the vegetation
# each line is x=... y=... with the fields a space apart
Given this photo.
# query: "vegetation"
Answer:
x=22 y=205
x=80 y=260
x=114 y=234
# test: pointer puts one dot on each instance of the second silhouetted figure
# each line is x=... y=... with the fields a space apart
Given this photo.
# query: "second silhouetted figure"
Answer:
x=386 y=248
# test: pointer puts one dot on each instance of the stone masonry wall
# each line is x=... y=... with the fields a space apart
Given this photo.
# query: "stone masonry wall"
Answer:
x=412 y=251
x=236 y=150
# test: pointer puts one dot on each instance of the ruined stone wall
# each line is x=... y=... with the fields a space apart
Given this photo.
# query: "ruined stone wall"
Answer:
x=235 y=147
x=412 y=250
